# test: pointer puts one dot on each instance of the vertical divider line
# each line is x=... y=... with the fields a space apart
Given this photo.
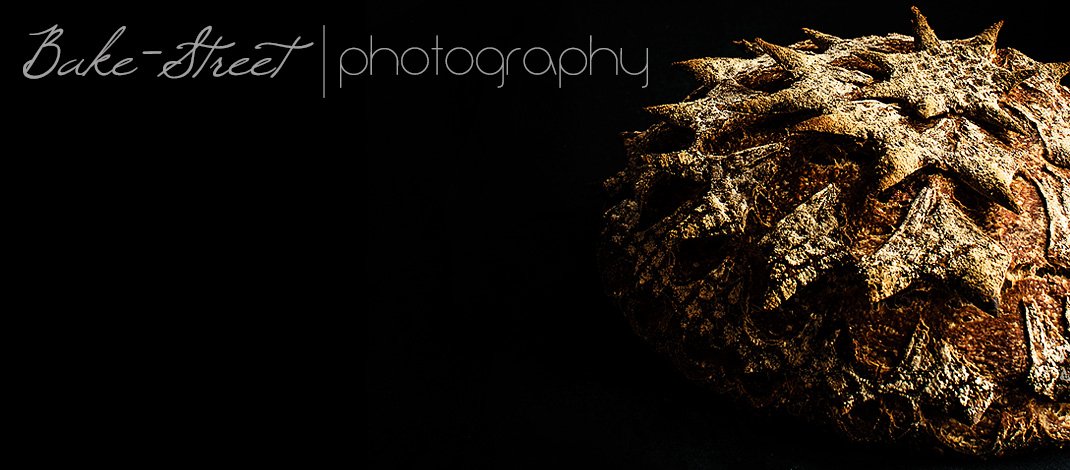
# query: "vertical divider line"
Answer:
x=323 y=66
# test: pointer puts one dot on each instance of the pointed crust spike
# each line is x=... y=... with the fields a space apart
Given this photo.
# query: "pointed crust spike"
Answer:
x=661 y=111
x=1003 y=196
x=924 y=36
x=994 y=184
x=784 y=101
x=1059 y=152
x=750 y=48
x=836 y=124
x=686 y=65
x=986 y=41
x=707 y=71
x=698 y=69
x=1023 y=75
x=883 y=276
x=759 y=105
x=820 y=39
x=1010 y=203
x=1008 y=80
x=676 y=114
x=790 y=59
x=896 y=164
x=974 y=262
x=993 y=114
x=880 y=59
x=1058 y=69
x=656 y=111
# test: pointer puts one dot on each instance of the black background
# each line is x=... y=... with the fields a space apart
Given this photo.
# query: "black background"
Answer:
x=403 y=271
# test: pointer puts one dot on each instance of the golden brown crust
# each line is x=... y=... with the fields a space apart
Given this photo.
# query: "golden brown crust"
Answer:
x=869 y=232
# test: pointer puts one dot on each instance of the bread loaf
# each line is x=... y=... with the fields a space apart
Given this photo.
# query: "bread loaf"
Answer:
x=871 y=233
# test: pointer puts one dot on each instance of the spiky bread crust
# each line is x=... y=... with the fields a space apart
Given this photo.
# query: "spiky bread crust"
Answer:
x=869 y=232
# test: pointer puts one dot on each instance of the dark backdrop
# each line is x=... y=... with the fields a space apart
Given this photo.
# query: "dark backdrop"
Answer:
x=489 y=340
x=403 y=270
